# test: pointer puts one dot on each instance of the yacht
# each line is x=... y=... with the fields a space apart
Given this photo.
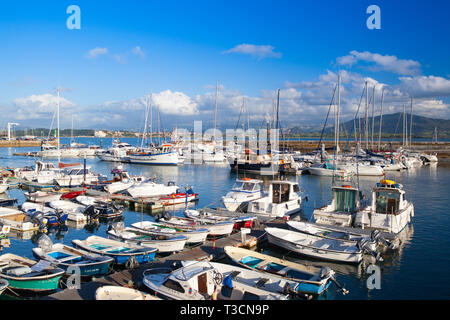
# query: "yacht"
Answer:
x=243 y=191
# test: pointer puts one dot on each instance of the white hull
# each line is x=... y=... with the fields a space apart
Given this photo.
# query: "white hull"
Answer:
x=73 y=210
x=150 y=189
x=263 y=206
x=3 y=188
x=118 y=186
x=198 y=236
x=312 y=246
x=42 y=197
x=121 y=293
x=156 y=159
x=75 y=180
x=385 y=222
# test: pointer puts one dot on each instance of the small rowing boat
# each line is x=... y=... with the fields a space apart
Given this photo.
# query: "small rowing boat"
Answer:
x=155 y=228
x=120 y=251
x=121 y=293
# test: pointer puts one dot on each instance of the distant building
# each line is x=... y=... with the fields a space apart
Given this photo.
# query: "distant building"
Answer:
x=100 y=134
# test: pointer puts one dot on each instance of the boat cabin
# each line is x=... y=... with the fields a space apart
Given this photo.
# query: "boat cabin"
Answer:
x=248 y=185
x=283 y=191
x=388 y=198
x=346 y=198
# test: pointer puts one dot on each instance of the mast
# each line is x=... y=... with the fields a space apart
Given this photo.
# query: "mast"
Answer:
x=411 y=123
x=365 y=117
x=57 y=112
x=337 y=114
x=145 y=122
x=215 y=112
x=381 y=119
x=151 y=120
x=373 y=111
x=403 y=137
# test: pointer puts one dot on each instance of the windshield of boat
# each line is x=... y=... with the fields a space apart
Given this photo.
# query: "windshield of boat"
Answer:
x=345 y=200
x=246 y=186
x=387 y=202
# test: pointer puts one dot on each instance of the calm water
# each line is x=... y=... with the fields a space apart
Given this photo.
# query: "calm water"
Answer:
x=418 y=270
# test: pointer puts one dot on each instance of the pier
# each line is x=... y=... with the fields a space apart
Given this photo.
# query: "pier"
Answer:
x=211 y=250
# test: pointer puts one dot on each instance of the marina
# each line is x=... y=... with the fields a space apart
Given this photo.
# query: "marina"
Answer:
x=314 y=191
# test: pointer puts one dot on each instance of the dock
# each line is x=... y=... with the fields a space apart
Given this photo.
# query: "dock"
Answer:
x=211 y=250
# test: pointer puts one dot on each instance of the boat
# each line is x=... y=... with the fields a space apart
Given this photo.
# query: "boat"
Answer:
x=178 y=198
x=123 y=253
x=202 y=280
x=312 y=280
x=3 y=185
x=53 y=217
x=65 y=257
x=148 y=189
x=17 y=220
x=327 y=169
x=75 y=211
x=163 y=243
x=243 y=191
x=327 y=232
x=42 y=196
x=26 y=274
x=193 y=236
x=121 y=293
x=3 y=285
x=342 y=210
x=215 y=229
x=314 y=246
x=389 y=211
x=282 y=200
x=73 y=177
x=160 y=155
x=100 y=208
x=240 y=221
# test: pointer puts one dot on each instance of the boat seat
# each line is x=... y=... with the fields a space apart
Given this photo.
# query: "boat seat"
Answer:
x=261 y=282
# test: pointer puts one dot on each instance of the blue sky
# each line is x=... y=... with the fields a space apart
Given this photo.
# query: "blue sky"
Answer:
x=179 y=49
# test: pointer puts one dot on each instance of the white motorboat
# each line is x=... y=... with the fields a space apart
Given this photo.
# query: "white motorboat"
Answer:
x=72 y=177
x=121 y=293
x=389 y=211
x=75 y=211
x=364 y=169
x=200 y=280
x=154 y=228
x=240 y=221
x=282 y=200
x=326 y=169
x=3 y=186
x=222 y=228
x=42 y=196
x=314 y=246
x=17 y=220
x=343 y=207
x=243 y=191
x=164 y=243
x=149 y=189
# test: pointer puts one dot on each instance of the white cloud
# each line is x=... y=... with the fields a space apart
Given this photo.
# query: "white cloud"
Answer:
x=94 y=53
x=425 y=86
x=40 y=106
x=138 y=52
x=258 y=51
x=381 y=62
x=176 y=103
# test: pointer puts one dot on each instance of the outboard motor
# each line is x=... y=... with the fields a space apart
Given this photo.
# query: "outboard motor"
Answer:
x=45 y=243
x=166 y=216
x=375 y=235
x=365 y=246
x=118 y=227
x=91 y=212
x=38 y=218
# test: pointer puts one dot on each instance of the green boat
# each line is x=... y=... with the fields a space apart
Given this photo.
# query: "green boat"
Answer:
x=26 y=274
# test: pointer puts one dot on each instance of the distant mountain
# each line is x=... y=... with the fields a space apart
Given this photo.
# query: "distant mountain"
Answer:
x=392 y=125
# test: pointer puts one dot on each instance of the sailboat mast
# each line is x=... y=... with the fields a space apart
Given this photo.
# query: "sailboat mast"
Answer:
x=215 y=112
x=57 y=113
x=337 y=114
x=365 y=117
x=381 y=119
x=145 y=122
x=411 y=123
x=151 y=120
x=373 y=111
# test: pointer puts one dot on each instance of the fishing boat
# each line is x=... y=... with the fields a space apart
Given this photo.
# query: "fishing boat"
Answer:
x=65 y=257
x=342 y=210
x=163 y=243
x=75 y=211
x=282 y=200
x=240 y=221
x=215 y=229
x=202 y=280
x=26 y=274
x=17 y=220
x=314 y=246
x=121 y=293
x=389 y=211
x=42 y=196
x=178 y=198
x=3 y=285
x=193 y=236
x=312 y=280
x=122 y=253
x=243 y=191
